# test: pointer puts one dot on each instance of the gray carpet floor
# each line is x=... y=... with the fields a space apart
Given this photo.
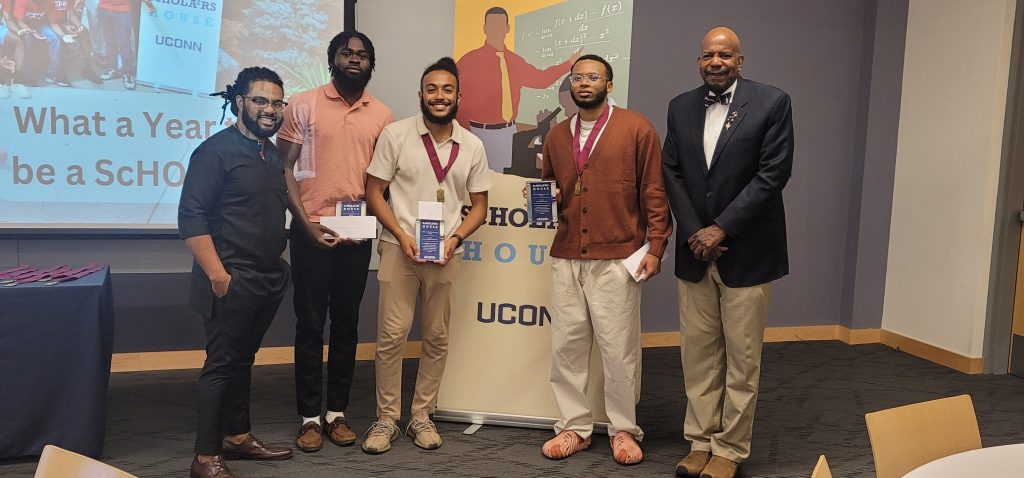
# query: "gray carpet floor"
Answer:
x=813 y=399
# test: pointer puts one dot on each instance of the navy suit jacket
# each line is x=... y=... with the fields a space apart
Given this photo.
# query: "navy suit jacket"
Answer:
x=741 y=191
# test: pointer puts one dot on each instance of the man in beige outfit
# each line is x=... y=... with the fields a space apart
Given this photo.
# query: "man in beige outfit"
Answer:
x=427 y=161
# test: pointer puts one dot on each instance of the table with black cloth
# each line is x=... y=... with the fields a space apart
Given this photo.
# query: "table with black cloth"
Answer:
x=55 y=346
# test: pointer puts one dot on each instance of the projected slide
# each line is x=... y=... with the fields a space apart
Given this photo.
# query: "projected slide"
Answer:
x=102 y=103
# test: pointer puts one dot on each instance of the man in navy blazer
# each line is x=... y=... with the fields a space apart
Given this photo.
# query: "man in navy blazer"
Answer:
x=727 y=156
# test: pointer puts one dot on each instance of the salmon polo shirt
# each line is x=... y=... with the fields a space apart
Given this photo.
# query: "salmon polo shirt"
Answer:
x=337 y=145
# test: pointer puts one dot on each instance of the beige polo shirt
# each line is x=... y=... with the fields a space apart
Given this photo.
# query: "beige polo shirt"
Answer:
x=401 y=159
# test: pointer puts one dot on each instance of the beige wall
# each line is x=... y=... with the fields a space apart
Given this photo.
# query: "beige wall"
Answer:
x=947 y=160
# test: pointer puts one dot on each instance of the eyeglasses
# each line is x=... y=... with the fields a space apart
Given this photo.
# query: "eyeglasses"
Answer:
x=262 y=102
x=361 y=54
x=591 y=77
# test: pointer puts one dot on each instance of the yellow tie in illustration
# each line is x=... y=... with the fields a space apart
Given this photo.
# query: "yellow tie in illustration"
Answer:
x=506 y=88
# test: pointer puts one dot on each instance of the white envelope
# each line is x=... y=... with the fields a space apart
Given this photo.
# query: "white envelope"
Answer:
x=352 y=227
x=632 y=263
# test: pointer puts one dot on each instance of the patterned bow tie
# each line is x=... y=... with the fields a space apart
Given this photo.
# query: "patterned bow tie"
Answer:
x=710 y=99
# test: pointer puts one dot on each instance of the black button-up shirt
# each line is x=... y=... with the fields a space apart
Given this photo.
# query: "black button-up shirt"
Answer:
x=239 y=198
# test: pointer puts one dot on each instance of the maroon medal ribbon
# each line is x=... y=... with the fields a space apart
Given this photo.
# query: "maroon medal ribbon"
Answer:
x=581 y=157
x=439 y=172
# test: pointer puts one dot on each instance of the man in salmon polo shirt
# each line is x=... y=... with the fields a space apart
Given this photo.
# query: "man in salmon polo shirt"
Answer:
x=606 y=163
x=327 y=142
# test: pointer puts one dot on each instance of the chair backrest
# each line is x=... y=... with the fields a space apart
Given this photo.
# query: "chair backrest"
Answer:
x=904 y=438
x=821 y=470
x=57 y=462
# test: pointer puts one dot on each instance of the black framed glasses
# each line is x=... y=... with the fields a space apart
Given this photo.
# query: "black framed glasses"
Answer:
x=591 y=77
x=262 y=102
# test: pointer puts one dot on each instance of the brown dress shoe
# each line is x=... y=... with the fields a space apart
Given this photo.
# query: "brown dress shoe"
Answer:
x=719 y=467
x=693 y=464
x=310 y=437
x=339 y=432
x=253 y=449
x=215 y=468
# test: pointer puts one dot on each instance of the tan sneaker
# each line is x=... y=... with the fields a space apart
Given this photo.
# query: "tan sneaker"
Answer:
x=564 y=445
x=423 y=432
x=719 y=467
x=693 y=464
x=380 y=435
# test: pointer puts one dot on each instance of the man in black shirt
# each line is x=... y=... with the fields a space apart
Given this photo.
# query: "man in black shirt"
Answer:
x=232 y=215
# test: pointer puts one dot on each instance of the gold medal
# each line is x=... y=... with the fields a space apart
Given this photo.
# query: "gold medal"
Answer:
x=579 y=187
x=440 y=195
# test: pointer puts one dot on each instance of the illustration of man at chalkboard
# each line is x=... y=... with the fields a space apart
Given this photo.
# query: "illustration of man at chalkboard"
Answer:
x=492 y=77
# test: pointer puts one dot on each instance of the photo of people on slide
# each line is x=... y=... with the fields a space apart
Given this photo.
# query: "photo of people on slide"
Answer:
x=99 y=44
x=103 y=101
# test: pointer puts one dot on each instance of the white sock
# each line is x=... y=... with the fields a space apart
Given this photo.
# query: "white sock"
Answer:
x=332 y=415
x=306 y=420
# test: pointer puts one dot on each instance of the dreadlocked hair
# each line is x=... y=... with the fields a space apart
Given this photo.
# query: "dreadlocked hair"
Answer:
x=241 y=86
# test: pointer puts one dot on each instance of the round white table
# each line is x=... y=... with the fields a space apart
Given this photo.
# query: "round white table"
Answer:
x=1005 y=461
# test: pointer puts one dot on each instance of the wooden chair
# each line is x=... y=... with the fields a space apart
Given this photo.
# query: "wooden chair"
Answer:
x=57 y=462
x=821 y=470
x=904 y=438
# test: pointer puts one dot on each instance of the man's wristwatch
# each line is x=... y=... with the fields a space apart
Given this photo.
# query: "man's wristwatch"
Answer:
x=459 y=238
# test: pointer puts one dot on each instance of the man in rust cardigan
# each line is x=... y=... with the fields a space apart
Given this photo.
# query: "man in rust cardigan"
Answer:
x=606 y=162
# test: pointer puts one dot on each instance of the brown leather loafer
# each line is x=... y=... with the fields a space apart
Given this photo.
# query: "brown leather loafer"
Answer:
x=215 y=468
x=339 y=432
x=253 y=449
x=719 y=467
x=310 y=437
x=693 y=464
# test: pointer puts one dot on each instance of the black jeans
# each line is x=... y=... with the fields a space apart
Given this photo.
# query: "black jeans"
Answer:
x=326 y=280
x=234 y=332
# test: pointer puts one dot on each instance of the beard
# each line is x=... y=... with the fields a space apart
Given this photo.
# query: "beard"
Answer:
x=349 y=83
x=722 y=85
x=431 y=117
x=251 y=123
x=599 y=97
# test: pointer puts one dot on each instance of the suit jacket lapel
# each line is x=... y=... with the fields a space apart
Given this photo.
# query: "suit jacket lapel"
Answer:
x=697 y=130
x=732 y=119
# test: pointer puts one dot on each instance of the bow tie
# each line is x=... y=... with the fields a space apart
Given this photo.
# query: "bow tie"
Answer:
x=711 y=98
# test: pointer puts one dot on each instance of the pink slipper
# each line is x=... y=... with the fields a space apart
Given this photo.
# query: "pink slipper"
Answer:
x=564 y=445
x=625 y=449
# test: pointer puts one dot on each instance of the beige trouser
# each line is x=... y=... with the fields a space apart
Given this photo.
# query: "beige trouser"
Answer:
x=722 y=331
x=400 y=283
x=595 y=299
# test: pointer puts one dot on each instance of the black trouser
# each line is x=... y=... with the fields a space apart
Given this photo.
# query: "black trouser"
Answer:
x=326 y=280
x=233 y=335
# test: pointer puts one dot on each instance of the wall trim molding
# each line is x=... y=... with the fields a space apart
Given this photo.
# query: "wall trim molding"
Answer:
x=933 y=353
x=193 y=359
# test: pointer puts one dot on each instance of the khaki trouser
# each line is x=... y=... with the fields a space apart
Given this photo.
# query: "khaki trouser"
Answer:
x=400 y=283
x=722 y=331
x=595 y=299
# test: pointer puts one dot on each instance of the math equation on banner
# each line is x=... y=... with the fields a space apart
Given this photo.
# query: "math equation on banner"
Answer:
x=549 y=36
